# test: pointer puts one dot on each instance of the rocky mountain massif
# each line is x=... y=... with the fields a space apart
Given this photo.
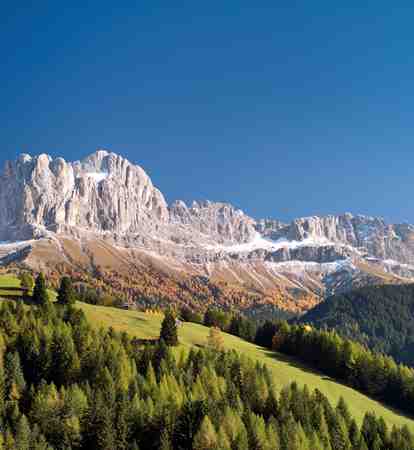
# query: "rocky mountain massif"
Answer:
x=105 y=212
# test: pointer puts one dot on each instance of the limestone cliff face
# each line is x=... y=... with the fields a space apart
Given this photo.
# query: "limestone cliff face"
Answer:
x=103 y=193
x=220 y=221
x=371 y=236
x=106 y=194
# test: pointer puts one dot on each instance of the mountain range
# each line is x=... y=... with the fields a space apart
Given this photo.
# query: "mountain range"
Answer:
x=105 y=211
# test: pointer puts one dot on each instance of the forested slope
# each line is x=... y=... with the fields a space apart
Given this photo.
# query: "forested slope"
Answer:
x=382 y=317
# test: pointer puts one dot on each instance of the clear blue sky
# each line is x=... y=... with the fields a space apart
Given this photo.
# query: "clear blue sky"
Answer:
x=289 y=110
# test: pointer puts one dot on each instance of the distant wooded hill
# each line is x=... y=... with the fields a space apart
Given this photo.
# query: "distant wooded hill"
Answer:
x=382 y=317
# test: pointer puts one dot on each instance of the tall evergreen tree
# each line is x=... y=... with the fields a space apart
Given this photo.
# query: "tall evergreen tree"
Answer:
x=26 y=281
x=66 y=294
x=23 y=441
x=169 y=333
x=206 y=437
x=40 y=295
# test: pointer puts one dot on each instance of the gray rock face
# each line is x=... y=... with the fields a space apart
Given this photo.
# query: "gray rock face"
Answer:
x=319 y=254
x=220 y=221
x=371 y=236
x=270 y=228
x=106 y=194
x=103 y=193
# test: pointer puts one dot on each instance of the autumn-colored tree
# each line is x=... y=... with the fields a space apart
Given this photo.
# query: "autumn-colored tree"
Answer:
x=215 y=339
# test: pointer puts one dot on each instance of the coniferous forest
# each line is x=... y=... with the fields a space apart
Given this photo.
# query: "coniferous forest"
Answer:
x=381 y=317
x=372 y=373
x=65 y=385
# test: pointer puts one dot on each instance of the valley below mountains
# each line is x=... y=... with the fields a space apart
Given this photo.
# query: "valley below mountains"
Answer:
x=102 y=218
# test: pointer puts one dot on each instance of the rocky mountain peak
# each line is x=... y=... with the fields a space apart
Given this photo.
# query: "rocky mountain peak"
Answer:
x=102 y=193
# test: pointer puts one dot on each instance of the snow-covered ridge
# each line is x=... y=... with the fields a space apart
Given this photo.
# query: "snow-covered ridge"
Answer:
x=15 y=244
x=260 y=243
x=97 y=176
x=310 y=266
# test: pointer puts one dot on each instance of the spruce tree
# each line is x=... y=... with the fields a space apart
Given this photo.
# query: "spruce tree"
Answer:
x=339 y=435
x=15 y=382
x=342 y=409
x=165 y=440
x=223 y=442
x=26 y=281
x=169 y=332
x=160 y=355
x=66 y=294
x=242 y=441
x=206 y=437
x=9 y=442
x=256 y=429
x=40 y=295
x=23 y=440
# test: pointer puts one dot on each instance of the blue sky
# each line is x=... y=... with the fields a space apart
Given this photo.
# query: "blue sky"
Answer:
x=285 y=109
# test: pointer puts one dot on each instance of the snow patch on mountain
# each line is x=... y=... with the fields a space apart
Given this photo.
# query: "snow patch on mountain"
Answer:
x=300 y=267
x=97 y=176
x=14 y=244
x=261 y=243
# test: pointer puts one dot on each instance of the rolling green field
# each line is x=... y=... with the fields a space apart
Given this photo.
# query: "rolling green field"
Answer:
x=285 y=369
x=9 y=285
x=8 y=281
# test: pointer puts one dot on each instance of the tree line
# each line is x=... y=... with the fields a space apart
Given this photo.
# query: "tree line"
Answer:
x=381 y=317
x=375 y=374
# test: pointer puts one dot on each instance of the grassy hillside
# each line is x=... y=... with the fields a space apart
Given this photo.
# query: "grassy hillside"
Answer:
x=285 y=369
x=9 y=286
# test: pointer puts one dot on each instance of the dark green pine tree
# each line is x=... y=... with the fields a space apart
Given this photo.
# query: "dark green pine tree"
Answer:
x=23 y=441
x=339 y=435
x=66 y=294
x=342 y=409
x=169 y=329
x=121 y=422
x=100 y=432
x=40 y=295
x=188 y=423
x=15 y=382
x=354 y=434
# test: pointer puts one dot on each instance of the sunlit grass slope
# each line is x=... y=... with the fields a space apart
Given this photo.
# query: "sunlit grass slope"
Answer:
x=9 y=285
x=285 y=369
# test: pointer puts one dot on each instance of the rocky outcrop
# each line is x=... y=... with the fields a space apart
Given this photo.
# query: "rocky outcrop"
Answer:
x=103 y=193
x=270 y=228
x=371 y=236
x=223 y=223
x=318 y=254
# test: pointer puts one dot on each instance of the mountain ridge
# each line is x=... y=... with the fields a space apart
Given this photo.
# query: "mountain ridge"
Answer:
x=104 y=197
